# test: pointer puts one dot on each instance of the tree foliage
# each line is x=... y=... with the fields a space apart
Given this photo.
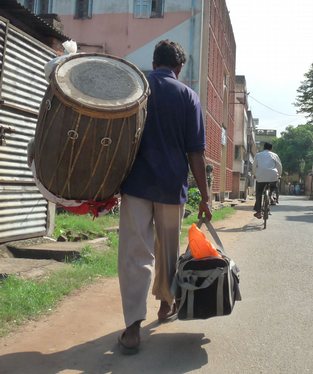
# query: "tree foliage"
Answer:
x=304 y=100
x=295 y=149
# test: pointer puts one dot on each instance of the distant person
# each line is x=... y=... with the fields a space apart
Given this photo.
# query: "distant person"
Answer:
x=155 y=191
x=297 y=189
x=267 y=168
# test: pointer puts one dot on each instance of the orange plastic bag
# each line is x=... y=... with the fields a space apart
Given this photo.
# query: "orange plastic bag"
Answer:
x=199 y=245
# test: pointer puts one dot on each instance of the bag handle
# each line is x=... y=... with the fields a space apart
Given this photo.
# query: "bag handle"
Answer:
x=213 y=232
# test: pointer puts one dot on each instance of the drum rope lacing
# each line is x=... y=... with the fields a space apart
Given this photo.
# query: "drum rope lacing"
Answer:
x=71 y=164
x=47 y=129
x=110 y=164
x=95 y=166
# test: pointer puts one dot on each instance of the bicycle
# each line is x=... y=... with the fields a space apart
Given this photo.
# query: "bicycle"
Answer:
x=274 y=195
x=266 y=198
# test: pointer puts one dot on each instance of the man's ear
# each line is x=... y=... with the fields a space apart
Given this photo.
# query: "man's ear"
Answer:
x=177 y=70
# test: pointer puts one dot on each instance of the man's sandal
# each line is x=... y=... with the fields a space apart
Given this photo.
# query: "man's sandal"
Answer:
x=129 y=341
x=128 y=349
x=166 y=311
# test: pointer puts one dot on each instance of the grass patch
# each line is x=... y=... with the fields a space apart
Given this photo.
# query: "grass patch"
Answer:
x=26 y=299
x=66 y=223
x=21 y=300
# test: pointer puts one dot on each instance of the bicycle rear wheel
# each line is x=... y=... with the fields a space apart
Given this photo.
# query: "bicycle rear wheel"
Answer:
x=265 y=206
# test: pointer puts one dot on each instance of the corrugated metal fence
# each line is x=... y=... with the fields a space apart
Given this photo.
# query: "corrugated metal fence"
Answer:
x=23 y=210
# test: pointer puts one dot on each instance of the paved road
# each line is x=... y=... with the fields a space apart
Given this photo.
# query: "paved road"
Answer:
x=271 y=329
x=269 y=332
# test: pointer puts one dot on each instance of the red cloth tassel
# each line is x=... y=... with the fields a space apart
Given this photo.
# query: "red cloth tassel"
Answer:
x=93 y=207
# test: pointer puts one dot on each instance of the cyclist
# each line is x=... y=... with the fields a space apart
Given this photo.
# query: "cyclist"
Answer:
x=267 y=168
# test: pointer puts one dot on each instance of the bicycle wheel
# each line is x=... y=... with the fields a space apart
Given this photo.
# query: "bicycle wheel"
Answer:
x=265 y=206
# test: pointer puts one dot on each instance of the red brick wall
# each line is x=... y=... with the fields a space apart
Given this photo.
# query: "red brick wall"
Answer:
x=221 y=57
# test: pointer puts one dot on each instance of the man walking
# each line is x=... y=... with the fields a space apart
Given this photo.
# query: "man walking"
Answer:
x=154 y=193
x=267 y=168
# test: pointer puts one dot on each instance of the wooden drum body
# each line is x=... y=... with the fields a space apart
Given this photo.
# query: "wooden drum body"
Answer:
x=89 y=126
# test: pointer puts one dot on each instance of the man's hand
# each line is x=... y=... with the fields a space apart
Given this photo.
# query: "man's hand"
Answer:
x=205 y=208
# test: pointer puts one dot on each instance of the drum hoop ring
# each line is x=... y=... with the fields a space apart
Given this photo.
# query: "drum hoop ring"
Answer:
x=106 y=142
x=121 y=112
x=72 y=134
x=48 y=104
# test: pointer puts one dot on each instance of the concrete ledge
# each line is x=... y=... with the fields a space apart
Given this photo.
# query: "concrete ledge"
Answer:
x=29 y=260
x=28 y=268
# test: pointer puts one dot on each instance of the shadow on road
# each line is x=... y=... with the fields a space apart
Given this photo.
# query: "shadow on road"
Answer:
x=287 y=205
x=303 y=218
x=173 y=353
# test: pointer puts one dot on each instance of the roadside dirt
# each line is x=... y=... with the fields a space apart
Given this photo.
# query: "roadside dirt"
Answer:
x=80 y=335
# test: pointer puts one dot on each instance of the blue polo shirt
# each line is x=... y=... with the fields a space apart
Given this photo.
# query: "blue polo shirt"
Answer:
x=174 y=127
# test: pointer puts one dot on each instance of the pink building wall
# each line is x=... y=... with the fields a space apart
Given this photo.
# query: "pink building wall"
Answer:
x=119 y=34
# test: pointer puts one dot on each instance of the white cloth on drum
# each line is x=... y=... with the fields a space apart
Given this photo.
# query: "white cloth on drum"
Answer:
x=70 y=48
x=48 y=195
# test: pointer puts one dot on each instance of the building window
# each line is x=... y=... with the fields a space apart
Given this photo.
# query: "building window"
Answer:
x=157 y=7
x=30 y=5
x=148 y=8
x=83 y=9
x=39 y=6
x=237 y=152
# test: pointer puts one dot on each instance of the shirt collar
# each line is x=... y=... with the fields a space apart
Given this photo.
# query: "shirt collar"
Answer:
x=164 y=71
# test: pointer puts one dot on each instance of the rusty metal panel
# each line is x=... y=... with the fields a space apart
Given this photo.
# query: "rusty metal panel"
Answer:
x=13 y=154
x=23 y=80
x=23 y=210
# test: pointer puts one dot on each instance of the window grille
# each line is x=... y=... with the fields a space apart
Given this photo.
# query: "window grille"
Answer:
x=30 y=4
x=157 y=8
x=39 y=6
x=148 y=8
x=83 y=9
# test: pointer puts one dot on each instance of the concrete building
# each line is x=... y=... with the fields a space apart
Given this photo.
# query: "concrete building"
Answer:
x=131 y=28
x=244 y=140
x=251 y=152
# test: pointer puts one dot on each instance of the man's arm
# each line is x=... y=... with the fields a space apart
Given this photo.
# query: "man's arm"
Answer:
x=279 y=166
x=198 y=169
x=254 y=165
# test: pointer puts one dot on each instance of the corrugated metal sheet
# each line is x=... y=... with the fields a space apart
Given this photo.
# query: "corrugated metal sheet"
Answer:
x=23 y=210
x=23 y=81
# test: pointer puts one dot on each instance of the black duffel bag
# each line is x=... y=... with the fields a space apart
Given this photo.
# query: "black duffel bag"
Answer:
x=206 y=287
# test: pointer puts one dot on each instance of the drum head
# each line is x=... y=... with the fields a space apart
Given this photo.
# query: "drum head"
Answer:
x=100 y=81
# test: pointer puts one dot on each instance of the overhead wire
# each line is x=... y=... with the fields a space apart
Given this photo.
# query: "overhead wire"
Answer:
x=274 y=110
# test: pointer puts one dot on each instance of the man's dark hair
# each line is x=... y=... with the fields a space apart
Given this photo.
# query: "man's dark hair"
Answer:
x=170 y=54
x=268 y=146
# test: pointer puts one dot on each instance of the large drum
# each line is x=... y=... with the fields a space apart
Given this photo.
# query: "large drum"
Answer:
x=89 y=126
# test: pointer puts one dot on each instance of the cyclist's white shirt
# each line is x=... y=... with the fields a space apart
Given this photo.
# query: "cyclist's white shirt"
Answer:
x=267 y=166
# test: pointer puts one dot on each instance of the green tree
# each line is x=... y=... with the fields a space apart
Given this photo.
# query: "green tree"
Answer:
x=295 y=149
x=304 y=100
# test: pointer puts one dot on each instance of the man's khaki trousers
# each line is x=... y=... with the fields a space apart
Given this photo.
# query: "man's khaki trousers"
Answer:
x=149 y=234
